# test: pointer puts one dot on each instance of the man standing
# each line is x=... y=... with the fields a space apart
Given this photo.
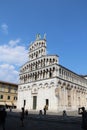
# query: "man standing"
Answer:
x=83 y=112
x=22 y=116
x=3 y=115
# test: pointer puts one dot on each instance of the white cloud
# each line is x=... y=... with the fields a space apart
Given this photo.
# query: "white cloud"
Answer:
x=4 y=28
x=8 y=73
x=12 y=56
x=14 y=43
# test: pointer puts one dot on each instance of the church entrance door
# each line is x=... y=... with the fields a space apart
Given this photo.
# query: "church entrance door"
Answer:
x=34 y=102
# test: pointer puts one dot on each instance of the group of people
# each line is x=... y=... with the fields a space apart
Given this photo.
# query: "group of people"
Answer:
x=44 y=110
x=82 y=112
x=3 y=115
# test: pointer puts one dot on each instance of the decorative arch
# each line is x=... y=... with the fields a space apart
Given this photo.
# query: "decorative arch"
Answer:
x=59 y=82
x=40 y=85
x=52 y=84
x=46 y=84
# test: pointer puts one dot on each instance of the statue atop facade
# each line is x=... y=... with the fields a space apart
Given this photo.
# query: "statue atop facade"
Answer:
x=38 y=37
x=45 y=36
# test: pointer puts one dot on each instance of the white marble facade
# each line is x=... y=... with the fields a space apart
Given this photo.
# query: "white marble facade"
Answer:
x=43 y=81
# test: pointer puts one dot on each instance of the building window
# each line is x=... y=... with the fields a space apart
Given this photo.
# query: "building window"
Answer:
x=50 y=74
x=8 y=97
x=1 y=96
x=24 y=103
x=15 y=98
x=69 y=100
x=35 y=76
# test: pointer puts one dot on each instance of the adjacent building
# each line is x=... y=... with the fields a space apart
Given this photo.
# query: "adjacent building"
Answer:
x=43 y=81
x=8 y=94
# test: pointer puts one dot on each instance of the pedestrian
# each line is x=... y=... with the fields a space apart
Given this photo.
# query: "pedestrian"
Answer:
x=83 y=112
x=22 y=116
x=64 y=114
x=40 y=113
x=45 y=108
x=3 y=115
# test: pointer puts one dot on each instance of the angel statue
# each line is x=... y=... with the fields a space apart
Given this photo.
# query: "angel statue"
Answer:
x=38 y=37
x=45 y=36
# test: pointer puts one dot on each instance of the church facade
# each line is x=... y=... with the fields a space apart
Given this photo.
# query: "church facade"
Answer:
x=43 y=81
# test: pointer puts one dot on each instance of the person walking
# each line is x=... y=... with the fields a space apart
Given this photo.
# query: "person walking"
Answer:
x=3 y=115
x=45 y=108
x=22 y=116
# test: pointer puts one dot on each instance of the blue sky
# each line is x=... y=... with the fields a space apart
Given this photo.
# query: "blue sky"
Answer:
x=63 y=21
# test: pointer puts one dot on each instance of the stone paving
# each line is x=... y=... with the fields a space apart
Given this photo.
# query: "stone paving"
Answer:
x=49 y=122
x=14 y=124
x=71 y=116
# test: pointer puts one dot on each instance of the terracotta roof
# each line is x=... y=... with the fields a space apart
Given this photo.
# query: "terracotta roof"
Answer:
x=5 y=82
